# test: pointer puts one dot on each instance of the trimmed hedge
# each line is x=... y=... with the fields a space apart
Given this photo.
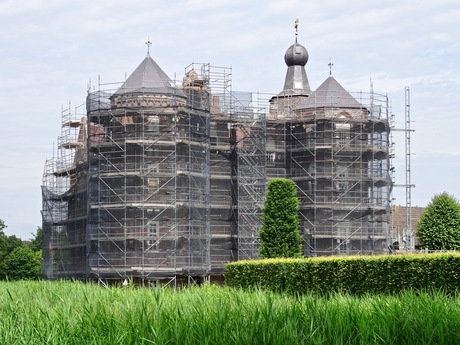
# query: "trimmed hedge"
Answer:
x=355 y=275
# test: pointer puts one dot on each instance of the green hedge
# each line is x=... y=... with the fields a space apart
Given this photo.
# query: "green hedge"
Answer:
x=355 y=275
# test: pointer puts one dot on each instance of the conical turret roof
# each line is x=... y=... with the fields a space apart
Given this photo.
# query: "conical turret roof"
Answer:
x=148 y=77
x=330 y=94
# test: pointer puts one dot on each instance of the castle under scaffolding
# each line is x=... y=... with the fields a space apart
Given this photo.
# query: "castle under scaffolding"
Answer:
x=160 y=182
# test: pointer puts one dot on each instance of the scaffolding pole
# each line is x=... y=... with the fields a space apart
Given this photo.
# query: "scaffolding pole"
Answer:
x=409 y=233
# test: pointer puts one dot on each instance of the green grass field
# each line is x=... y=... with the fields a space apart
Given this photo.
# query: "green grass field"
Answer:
x=77 y=313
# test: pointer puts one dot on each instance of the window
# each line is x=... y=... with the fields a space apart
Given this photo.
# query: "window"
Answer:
x=342 y=138
x=132 y=245
x=153 y=168
x=270 y=157
x=343 y=132
x=152 y=184
x=153 y=229
x=152 y=235
x=342 y=184
x=153 y=124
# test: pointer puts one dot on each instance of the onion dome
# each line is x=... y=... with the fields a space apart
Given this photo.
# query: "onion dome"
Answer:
x=296 y=55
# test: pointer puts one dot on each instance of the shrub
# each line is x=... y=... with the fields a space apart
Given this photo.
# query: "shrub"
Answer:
x=21 y=263
x=439 y=225
x=355 y=275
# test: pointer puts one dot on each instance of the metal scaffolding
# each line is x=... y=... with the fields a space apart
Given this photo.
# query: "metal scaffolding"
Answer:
x=149 y=183
x=157 y=187
x=250 y=126
x=403 y=234
x=337 y=153
x=165 y=183
x=409 y=231
x=64 y=200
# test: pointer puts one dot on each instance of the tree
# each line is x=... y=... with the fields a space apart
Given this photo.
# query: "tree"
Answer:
x=7 y=243
x=3 y=239
x=36 y=243
x=439 y=225
x=18 y=260
x=279 y=234
x=21 y=263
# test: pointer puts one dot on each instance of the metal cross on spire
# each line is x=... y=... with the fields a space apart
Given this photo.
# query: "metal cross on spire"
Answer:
x=330 y=64
x=149 y=43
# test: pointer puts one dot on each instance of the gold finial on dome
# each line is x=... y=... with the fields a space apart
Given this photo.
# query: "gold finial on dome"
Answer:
x=296 y=26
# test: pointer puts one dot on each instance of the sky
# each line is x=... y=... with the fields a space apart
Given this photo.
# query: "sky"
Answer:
x=51 y=49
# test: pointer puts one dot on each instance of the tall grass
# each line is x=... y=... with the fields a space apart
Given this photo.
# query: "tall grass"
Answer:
x=76 y=313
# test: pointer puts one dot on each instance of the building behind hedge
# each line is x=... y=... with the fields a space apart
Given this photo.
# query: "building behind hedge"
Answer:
x=164 y=181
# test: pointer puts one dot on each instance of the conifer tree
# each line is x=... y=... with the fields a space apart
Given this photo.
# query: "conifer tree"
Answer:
x=279 y=234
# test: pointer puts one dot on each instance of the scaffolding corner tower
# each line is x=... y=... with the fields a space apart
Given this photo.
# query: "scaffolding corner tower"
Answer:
x=159 y=181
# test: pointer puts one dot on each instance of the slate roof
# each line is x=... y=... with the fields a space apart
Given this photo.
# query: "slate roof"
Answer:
x=296 y=81
x=148 y=77
x=330 y=94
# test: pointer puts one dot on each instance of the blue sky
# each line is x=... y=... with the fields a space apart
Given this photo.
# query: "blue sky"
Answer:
x=50 y=49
